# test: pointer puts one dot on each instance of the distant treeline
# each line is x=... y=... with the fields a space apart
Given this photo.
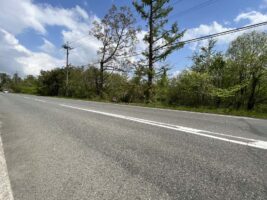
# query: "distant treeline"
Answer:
x=236 y=79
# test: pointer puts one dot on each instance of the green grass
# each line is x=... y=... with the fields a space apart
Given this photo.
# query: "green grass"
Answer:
x=28 y=90
x=222 y=111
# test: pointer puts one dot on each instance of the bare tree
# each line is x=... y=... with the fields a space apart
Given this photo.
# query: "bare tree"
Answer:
x=117 y=34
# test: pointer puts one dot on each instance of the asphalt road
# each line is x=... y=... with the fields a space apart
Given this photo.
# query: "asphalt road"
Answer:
x=69 y=149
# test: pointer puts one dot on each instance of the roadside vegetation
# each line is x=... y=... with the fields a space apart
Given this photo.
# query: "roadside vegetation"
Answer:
x=230 y=82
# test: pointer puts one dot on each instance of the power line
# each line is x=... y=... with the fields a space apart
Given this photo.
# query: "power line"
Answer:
x=74 y=41
x=201 y=5
x=201 y=38
x=196 y=7
x=85 y=36
x=176 y=2
x=225 y=32
x=208 y=36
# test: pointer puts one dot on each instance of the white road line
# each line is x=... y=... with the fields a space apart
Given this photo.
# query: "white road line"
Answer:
x=40 y=100
x=5 y=187
x=173 y=110
x=244 y=141
x=220 y=136
x=169 y=110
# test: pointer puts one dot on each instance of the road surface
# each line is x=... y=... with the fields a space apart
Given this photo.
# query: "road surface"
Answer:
x=69 y=149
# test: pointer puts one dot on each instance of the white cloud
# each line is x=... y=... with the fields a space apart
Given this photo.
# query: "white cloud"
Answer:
x=252 y=17
x=82 y=12
x=204 y=29
x=227 y=23
x=19 y=59
x=175 y=73
x=141 y=46
x=35 y=62
x=16 y=16
x=85 y=46
x=47 y=47
x=208 y=29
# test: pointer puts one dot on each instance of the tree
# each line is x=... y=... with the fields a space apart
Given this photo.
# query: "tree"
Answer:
x=202 y=61
x=76 y=86
x=117 y=34
x=190 y=88
x=248 y=55
x=15 y=84
x=5 y=81
x=208 y=60
x=91 y=81
x=163 y=84
x=29 y=85
x=161 y=42
x=52 y=83
x=116 y=87
x=136 y=86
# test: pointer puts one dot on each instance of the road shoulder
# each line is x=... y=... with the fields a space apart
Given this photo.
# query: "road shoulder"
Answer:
x=5 y=187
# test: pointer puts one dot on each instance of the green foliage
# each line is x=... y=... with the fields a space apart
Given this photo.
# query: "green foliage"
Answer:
x=116 y=87
x=190 y=88
x=52 y=83
x=247 y=57
x=29 y=85
x=203 y=60
x=5 y=81
x=162 y=87
x=231 y=83
x=228 y=92
x=16 y=84
x=161 y=42
x=136 y=86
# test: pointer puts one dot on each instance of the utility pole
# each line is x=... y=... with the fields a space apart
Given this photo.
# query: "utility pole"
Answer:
x=68 y=48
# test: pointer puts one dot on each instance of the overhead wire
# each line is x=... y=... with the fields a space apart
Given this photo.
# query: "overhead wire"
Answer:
x=198 y=6
x=176 y=2
x=210 y=36
x=74 y=41
x=193 y=8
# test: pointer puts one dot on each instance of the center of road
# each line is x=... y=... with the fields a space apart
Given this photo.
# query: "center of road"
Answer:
x=218 y=136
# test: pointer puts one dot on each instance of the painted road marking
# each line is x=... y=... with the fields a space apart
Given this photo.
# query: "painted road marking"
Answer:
x=219 y=136
x=173 y=110
x=5 y=187
x=40 y=100
x=170 y=110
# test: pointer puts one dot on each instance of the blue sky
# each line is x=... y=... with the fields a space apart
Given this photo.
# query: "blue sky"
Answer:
x=32 y=31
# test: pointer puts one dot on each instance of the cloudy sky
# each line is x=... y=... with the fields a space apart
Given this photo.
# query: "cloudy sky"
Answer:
x=33 y=31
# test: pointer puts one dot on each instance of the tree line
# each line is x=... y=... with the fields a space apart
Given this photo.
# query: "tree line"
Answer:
x=234 y=79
